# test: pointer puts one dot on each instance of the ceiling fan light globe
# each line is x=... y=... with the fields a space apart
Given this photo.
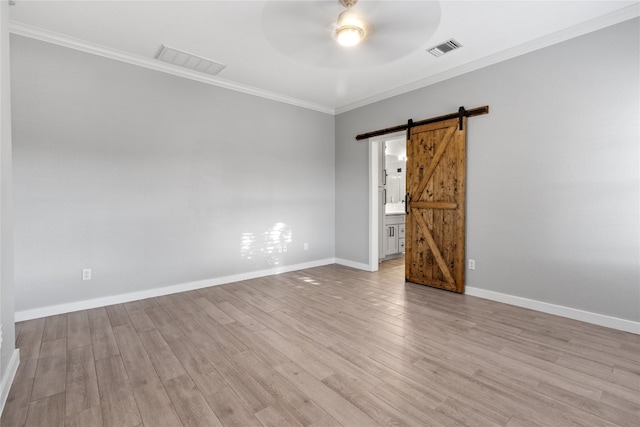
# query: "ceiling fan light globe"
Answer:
x=349 y=35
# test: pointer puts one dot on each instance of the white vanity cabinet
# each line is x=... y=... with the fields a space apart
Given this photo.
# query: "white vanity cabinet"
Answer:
x=394 y=235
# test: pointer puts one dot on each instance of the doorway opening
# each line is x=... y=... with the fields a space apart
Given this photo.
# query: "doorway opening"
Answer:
x=387 y=190
x=432 y=229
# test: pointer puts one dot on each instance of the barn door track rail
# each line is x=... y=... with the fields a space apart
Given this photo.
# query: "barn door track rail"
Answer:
x=462 y=112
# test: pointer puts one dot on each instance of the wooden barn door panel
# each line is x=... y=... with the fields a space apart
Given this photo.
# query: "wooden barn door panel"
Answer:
x=435 y=230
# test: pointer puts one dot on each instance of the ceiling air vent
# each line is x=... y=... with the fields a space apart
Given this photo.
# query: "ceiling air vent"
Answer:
x=445 y=47
x=188 y=60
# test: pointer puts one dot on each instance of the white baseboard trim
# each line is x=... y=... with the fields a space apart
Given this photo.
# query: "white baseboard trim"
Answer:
x=571 y=313
x=52 y=310
x=558 y=310
x=352 y=264
x=7 y=378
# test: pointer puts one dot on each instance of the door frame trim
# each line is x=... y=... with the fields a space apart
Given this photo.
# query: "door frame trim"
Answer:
x=374 y=220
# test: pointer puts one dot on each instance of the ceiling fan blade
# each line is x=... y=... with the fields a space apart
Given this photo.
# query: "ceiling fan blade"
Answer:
x=303 y=31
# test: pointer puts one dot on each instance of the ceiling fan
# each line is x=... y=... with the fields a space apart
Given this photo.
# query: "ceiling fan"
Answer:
x=351 y=29
x=349 y=33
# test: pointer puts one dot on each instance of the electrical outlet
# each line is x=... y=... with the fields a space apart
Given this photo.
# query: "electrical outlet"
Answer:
x=472 y=264
x=284 y=249
x=279 y=249
x=86 y=274
x=306 y=246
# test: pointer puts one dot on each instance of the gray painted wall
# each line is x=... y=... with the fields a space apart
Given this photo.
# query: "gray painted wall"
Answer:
x=553 y=183
x=6 y=237
x=153 y=180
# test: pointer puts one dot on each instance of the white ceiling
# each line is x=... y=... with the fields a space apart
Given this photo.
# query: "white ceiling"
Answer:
x=251 y=38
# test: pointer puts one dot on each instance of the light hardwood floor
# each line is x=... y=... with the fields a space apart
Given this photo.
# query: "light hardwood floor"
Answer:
x=327 y=346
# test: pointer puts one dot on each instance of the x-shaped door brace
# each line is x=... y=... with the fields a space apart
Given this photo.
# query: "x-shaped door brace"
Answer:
x=418 y=205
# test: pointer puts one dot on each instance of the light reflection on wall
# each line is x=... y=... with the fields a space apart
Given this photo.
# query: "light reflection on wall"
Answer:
x=269 y=245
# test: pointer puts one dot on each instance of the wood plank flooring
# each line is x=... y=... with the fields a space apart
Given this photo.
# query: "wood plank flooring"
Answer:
x=327 y=346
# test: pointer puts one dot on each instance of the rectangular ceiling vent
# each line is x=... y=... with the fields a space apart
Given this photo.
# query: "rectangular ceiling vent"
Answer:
x=445 y=47
x=188 y=60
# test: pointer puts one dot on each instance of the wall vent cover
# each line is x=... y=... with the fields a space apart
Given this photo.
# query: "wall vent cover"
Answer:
x=445 y=47
x=188 y=60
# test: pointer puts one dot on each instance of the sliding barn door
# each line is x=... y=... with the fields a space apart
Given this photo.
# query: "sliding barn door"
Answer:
x=435 y=224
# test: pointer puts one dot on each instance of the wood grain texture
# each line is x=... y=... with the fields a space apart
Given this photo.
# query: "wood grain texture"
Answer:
x=51 y=371
x=102 y=338
x=78 y=330
x=191 y=406
x=46 y=412
x=82 y=383
x=436 y=174
x=55 y=327
x=119 y=408
x=29 y=339
x=327 y=346
x=89 y=417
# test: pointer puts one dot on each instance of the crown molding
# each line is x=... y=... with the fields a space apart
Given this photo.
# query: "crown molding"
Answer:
x=153 y=64
x=616 y=17
x=596 y=24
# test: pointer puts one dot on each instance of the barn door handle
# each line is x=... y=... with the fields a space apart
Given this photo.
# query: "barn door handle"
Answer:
x=385 y=196
x=406 y=203
x=384 y=177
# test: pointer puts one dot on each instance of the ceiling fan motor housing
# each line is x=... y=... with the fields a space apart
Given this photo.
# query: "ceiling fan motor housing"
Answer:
x=348 y=3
